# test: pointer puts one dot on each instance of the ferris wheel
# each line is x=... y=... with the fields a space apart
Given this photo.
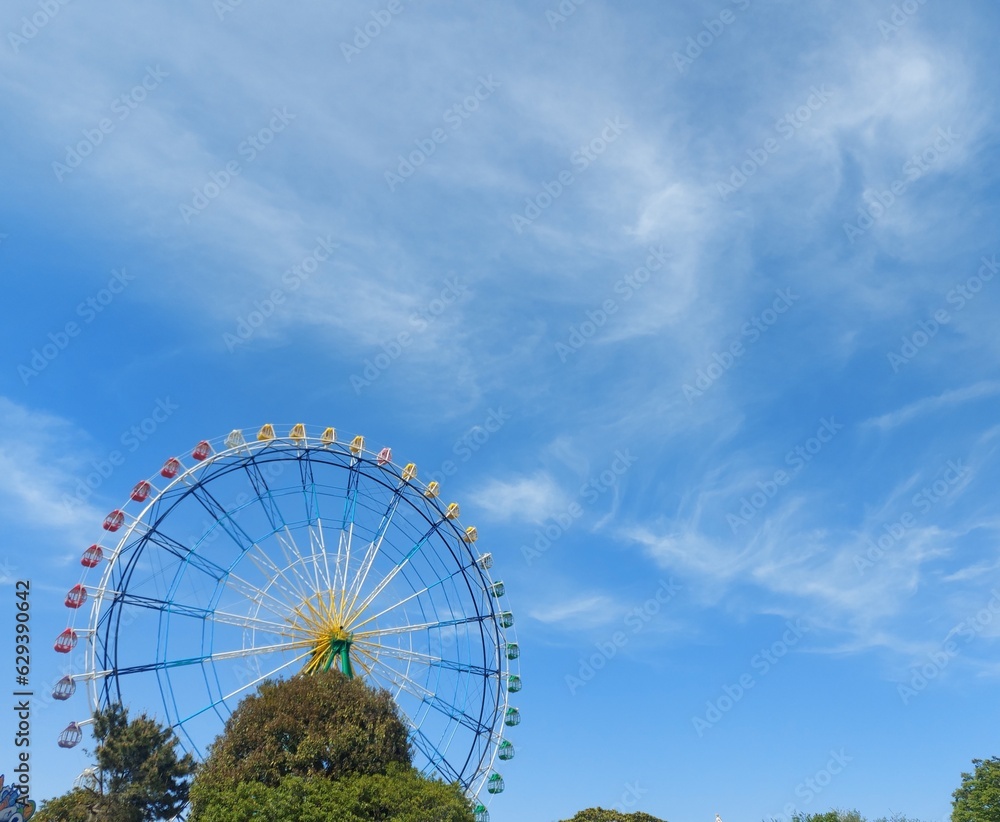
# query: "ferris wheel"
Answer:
x=262 y=556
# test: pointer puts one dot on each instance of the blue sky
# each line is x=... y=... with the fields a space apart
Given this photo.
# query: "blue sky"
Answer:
x=691 y=306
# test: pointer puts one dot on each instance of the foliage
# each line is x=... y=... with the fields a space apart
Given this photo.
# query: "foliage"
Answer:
x=400 y=795
x=139 y=775
x=319 y=725
x=602 y=815
x=829 y=816
x=978 y=797
x=78 y=805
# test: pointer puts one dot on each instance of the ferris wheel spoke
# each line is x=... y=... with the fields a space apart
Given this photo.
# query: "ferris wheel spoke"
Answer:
x=346 y=535
x=387 y=580
x=257 y=596
x=183 y=553
x=266 y=565
x=290 y=548
x=247 y=544
x=249 y=622
x=222 y=700
x=309 y=486
x=222 y=516
x=424 y=626
x=428 y=748
x=393 y=675
x=432 y=661
x=358 y=583
x=414 y=595
x=435 y=757
x=404 y=682
x=317 y=540
x=221 y=617
x=264 y=493
x=294 y=567
x=217 y=657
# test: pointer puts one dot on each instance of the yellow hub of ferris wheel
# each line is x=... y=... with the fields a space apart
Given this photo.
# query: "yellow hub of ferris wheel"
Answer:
x=331 y=642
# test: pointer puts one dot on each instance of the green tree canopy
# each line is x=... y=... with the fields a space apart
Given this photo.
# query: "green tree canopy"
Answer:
x=139 y=775
x=323 y=724
x=400 y=795
x=977 y=799
x=319 y=747
x=829 y=816
x=79 y=805
x=602 y=815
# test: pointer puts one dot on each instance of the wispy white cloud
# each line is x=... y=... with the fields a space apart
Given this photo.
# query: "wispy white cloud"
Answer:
x=532 y=498
x=580 y=613
x=931 y=405
x=40 y=475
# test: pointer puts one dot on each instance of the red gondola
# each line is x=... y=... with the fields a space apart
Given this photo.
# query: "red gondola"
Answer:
x=114 y=520
x=170 y=468
x=384 y=456
x=76 y=597
x=92 y=556
x=70 y=737
x=201 y=450
x=64 y=689
x=66 y=641
x=141 y=491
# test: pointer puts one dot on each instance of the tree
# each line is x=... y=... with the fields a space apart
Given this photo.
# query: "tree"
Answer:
x=139 y=775
x=978 y=797
x=79 y=805
x=319 y=725
x=314 y=748
x=400 y=795
x=603 y=815
x=834 y=816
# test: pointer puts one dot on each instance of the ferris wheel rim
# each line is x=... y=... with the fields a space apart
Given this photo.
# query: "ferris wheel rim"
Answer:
x=195 y=476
